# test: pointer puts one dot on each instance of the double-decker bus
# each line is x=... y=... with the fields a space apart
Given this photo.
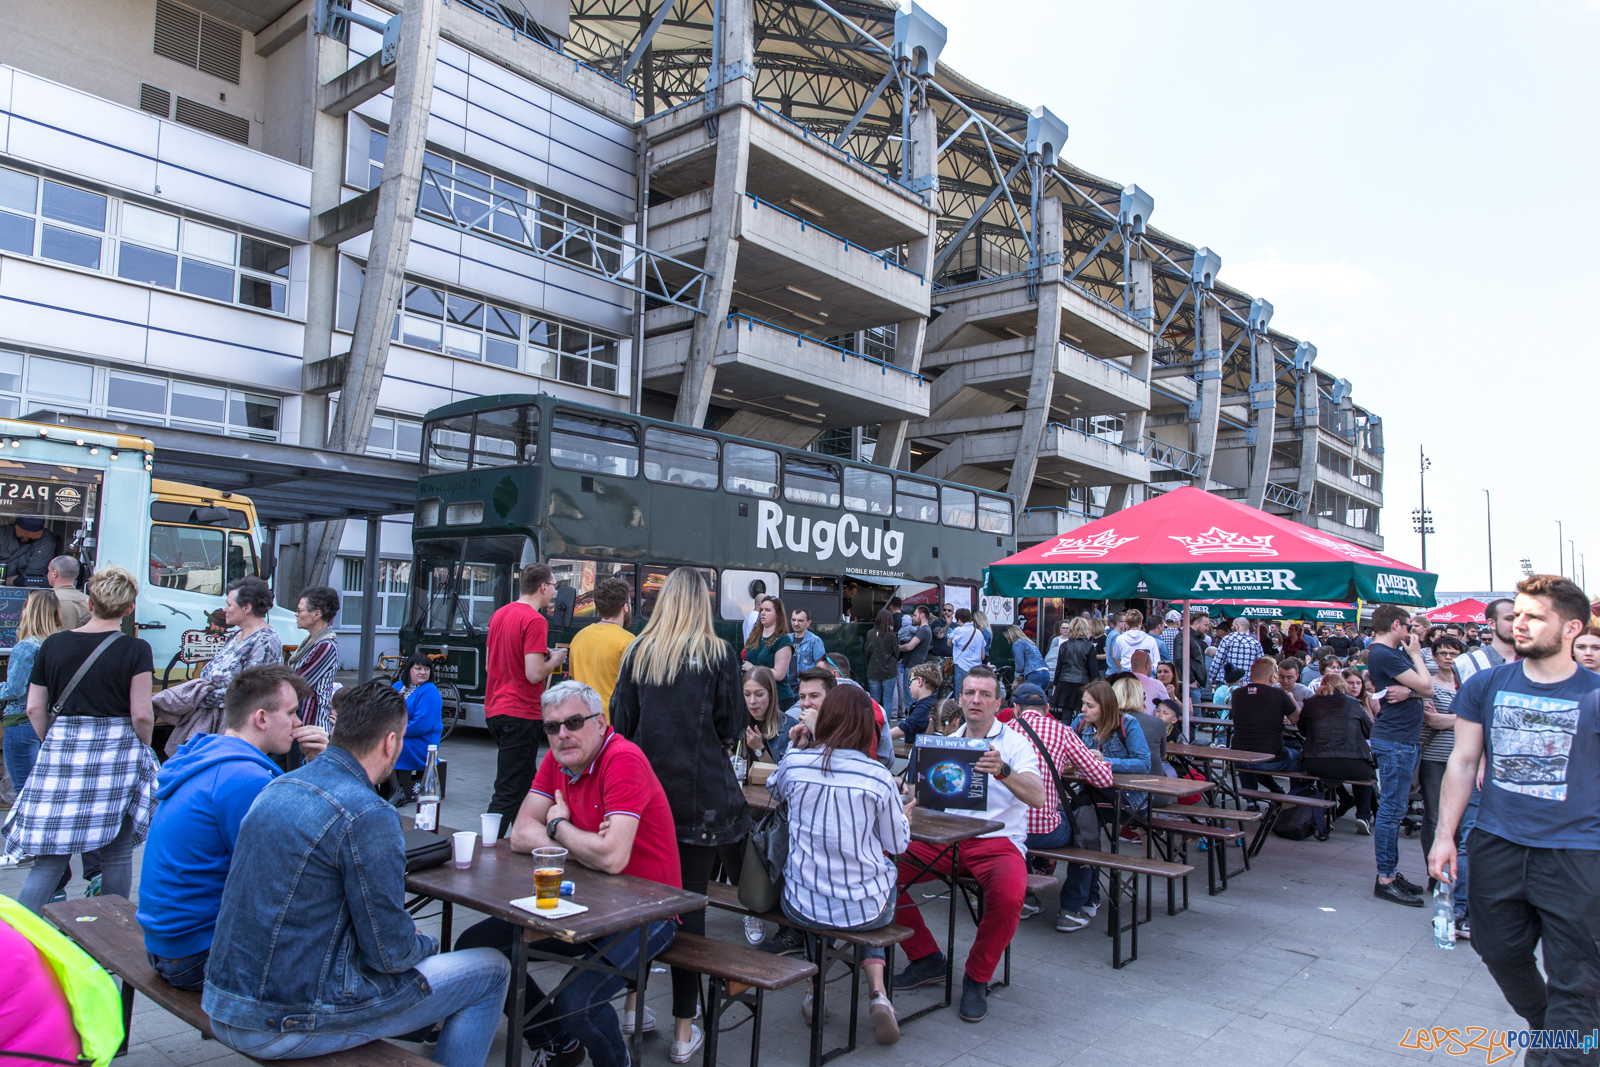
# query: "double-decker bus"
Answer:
x=516 y=479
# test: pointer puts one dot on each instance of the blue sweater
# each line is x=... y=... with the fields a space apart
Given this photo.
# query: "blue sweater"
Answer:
x=203 y=793
x=424 y=724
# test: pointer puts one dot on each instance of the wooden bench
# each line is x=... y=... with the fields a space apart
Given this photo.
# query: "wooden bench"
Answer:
x=107 y=929
x=1276 y=802
x=724 y=896
x=972 y=893
x=729 y=965
x=1217 y=838
x=1119 y=864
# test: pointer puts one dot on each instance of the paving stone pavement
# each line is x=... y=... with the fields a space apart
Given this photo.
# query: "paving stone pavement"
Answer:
x=1295 y=965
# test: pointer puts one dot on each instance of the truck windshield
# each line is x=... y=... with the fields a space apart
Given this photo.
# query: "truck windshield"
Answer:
x=460 y=581
x=199 y=560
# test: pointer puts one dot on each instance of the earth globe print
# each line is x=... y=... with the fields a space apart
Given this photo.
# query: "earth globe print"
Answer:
x=948 y=778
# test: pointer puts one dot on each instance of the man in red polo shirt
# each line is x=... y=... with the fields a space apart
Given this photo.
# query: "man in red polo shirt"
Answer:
x=597 y=797
x=518 y=661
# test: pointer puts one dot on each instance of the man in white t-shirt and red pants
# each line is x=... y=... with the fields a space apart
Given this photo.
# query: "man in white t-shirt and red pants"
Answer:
x=998 y=860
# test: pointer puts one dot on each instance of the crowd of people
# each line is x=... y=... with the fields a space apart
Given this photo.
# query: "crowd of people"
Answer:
x=274 y=865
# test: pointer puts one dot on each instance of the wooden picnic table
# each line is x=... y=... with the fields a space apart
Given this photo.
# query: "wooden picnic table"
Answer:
x=1229 y=758
x=942 y=830
x=616 y=903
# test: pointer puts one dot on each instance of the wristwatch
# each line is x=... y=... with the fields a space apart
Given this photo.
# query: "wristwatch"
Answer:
x=550 y=827
x=1005 y=772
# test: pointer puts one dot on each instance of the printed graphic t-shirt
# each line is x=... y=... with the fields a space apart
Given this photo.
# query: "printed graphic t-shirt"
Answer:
x=1542 y=785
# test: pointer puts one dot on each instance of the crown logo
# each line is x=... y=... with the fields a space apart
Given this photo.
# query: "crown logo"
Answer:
x=1215 y=541
x=1096 y=546
x=1344 y=548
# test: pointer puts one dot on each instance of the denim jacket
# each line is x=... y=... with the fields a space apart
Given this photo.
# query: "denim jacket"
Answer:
x=313 y=933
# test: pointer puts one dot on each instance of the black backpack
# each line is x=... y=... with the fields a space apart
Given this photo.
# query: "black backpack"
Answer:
x=1297 y=821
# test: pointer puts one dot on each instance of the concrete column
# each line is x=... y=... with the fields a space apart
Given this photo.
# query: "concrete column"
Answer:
x=911 y=333
x=1046 y=342
x=326 y=59
x=386 y=259
x=1141 y=290
x=1208 y=350
x=1264 y=412
x=1308 y=465
x=734 y=100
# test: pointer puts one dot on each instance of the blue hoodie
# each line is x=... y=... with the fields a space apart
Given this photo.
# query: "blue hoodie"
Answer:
x=203 y=793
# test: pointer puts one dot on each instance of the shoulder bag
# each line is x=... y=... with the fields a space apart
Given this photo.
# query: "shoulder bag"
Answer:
x=766 y=852
x=425 y=849
x=83 y=669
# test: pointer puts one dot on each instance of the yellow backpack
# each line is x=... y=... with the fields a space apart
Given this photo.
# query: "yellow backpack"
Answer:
x=92 y=995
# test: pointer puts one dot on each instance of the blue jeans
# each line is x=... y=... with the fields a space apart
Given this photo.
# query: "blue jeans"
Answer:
x=905 y=687
x=868 y=952
x=185 y=972
x=1040 y=678
x=22 y=749
x=1469 y=819
x=1060 y=837
x=1396 y=765
x=886 y=692
x=583 y=1009
x=469 y=991
x=1290 y=762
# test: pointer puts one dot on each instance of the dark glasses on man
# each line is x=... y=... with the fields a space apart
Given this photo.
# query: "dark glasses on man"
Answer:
x=573 y=725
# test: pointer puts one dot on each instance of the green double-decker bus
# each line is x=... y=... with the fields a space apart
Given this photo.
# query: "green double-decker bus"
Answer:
x=516 y=479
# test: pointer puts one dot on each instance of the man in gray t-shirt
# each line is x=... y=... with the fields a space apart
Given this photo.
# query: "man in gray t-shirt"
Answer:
x=914 y=651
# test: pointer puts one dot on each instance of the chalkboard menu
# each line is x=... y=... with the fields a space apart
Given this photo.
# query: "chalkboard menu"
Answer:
x=11 y=602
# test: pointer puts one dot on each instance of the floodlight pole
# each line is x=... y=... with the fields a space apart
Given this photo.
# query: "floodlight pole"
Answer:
x=1488 y=519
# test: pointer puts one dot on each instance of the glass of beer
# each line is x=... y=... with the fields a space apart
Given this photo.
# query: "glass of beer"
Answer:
x=548 y=864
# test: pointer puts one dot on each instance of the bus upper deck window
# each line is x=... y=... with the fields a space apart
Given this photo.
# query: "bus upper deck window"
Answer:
x=810 y=482
x=750 y=471
x=449 y=443
x=680 y=458
x=994 y=515
x=917 y=501
x=960 y=508
x=581 y=443
x=868 y=491
x=506 y=436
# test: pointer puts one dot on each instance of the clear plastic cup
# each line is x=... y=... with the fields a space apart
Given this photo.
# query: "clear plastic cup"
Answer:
x=548 y=864
x=461 y=845
x=491 y=829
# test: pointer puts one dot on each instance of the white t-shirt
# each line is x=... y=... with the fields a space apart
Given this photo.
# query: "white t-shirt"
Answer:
x=1004 y=806
x=750 y=621
x=1131 y=642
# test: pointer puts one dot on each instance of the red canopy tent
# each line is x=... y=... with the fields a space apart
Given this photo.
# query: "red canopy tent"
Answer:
x=1460 y=611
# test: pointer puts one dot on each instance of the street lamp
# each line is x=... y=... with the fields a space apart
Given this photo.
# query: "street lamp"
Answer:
x=1488 y=520
x=1421 y=517
x=1561 y=557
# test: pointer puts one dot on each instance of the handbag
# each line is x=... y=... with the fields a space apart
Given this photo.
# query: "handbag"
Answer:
x=766 y=852
x=425 y=849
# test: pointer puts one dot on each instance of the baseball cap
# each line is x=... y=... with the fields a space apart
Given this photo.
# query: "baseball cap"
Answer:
x=30 y=523
x=1173 y=616
x=1029 y=695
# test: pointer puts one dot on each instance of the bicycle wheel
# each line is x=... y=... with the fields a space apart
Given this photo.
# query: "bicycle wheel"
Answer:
x=450 y=707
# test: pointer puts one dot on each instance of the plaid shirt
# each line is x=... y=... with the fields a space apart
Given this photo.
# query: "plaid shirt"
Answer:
x=91 y=772
x=1238 y=649
x=1169 y=638
x=1062 y=749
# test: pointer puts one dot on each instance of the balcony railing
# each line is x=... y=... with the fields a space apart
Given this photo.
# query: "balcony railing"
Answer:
x=1108 y=442
x=1172 y=457
x=802 y=339
x=850 y=246
x=1119 y=368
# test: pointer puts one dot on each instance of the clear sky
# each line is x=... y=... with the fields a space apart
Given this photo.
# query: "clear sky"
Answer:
x=1411 y=185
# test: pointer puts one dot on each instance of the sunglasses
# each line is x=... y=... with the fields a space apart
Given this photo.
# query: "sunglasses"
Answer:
x=573 y=725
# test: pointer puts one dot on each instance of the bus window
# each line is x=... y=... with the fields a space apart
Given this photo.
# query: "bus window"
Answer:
x=994 y=515
x=185 y=557
x=656 y=576
x=868 y=491
x=816 y=594
x=959 y=508
x=750 y=471
x=582 y=575
x=680 y=458
x=449 y=441
x=458 y=583
x=581 y=443
x=810 y=482
x=740 y=589
x=506 y=436
x=917 y=501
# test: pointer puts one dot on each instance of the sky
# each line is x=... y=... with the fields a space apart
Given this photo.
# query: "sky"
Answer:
x=1411 y=186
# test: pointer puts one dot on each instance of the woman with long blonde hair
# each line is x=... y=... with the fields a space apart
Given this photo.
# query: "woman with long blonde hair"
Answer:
x=41 y=617
x=679 y=698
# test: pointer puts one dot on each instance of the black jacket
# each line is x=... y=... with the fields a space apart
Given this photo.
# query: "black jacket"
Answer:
x=687 y=729
x=1334 y=727
x=1076 y=662
x=1199 y=666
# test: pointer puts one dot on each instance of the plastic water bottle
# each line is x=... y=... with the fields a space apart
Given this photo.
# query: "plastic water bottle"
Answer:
x=428 y=796
x=1444 y=915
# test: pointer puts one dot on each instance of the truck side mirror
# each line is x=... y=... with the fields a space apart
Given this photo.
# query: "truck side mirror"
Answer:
x=565 y=603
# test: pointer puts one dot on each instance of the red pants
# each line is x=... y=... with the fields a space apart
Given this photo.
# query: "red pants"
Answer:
x=998 y=866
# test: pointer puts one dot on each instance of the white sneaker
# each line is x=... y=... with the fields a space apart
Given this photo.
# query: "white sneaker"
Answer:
x=683 y=1051
x=755 y=931
x=1089 y=911
x=649 y=1022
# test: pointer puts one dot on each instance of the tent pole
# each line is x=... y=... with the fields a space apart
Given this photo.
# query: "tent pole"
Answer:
x=1186 y=698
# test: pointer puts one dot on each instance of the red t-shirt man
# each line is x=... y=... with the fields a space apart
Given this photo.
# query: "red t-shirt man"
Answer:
x=619 y=781
x=516 y=631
